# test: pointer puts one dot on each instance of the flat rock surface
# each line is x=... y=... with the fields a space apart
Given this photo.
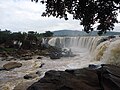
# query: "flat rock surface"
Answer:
x=104 y=78
x=12 y=65
x=60 y=80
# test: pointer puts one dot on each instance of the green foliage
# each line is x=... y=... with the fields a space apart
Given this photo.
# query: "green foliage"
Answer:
x=47 y=34
x=4 y=36
x=6 y=49
x=9 y=49
x=17 y=36
x=30 y=40
x=89 y=12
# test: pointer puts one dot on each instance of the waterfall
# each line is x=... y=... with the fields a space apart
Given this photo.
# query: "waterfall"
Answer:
x=89 y=43
x=101 y=49
x=112 y=53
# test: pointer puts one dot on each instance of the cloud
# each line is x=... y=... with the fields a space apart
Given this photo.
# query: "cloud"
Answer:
x=24 y=15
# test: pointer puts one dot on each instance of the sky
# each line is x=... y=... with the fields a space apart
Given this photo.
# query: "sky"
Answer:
x=24 y=16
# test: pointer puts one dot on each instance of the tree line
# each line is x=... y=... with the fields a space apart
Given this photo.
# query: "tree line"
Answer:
x=22 y=40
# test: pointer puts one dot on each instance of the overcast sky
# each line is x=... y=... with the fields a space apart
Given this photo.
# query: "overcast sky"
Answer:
x=24 y=15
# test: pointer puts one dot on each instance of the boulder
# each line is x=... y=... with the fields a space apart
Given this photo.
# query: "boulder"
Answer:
x=41 y=65
x=12 y=65
x=2 y=68
x=104 y=77
x=39 y=57
x=109 y=77
x=66 y=52
x=55 y=52
x=39 y=73
x=67 y=80
x=30 y=76
x=55 y=55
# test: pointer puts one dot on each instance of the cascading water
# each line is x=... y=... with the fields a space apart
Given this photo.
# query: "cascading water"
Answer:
x=112 y=53
x=91 y=48
x=89 y=43
x=83 y=47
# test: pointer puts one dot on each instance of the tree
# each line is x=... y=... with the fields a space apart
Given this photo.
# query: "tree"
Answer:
x=48 y=34
x=89 y=12
x=32 y=36
x=5 y=36
x=18 y=36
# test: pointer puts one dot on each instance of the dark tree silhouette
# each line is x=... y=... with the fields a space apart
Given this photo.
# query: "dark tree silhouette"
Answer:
x=5 y=36
x=89 y=12
x=48 y=34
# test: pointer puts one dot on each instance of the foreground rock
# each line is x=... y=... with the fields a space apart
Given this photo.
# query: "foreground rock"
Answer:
x=107 y=77
x=12 y=65
x=32 y=75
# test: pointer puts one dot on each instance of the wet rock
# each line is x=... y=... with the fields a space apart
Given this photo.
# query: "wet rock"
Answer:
x=30 y=76
x=55 y=52
x=39 y=57
x=66 y=52
x=109 y=77
x=93 y=66
x=12 y=65
x=55 y=55
x=63 y=80
x=41 y=65
x=106 y=77
x=27 y=77
x=39 y=73
x=2 y=68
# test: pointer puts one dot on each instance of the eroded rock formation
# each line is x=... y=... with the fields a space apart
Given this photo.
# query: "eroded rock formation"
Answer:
x=106 y=77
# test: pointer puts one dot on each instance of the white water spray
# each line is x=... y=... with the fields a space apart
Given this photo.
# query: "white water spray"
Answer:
x=89 y=43
x=93 y=47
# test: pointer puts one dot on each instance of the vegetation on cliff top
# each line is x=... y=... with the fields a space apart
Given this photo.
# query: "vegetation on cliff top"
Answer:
x=12 y=42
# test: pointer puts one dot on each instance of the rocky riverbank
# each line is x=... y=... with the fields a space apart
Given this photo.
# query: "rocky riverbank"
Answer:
x=104 y=77
x=18 y=72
